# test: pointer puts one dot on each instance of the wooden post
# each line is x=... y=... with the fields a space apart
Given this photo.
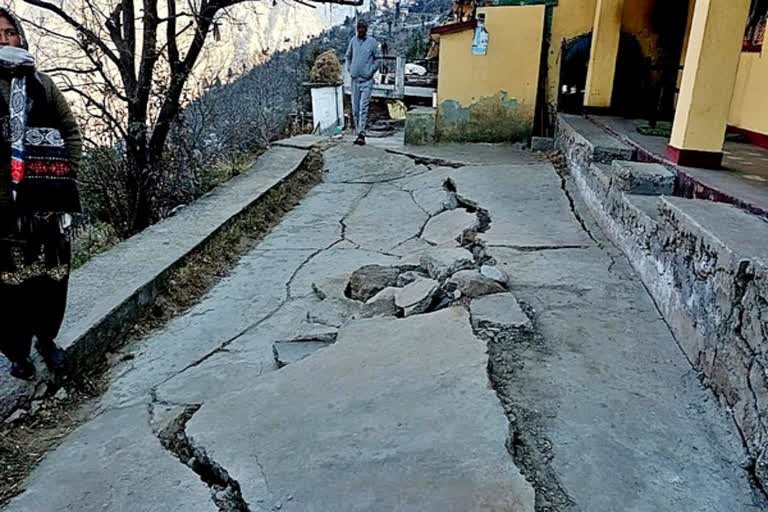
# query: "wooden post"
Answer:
x=400 y=77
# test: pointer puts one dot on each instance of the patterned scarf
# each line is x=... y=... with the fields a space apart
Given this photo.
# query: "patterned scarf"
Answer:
x=42 y=176
x=17 y=63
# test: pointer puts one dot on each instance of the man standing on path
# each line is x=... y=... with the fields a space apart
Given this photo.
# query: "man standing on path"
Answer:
x=362 y=56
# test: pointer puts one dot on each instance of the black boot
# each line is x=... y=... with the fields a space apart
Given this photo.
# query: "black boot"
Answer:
x=360 y=141
x=23 y=370
x=52 y=354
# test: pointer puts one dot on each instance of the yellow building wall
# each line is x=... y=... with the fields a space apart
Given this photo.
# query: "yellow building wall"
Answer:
x=570 y=18
x=749 y=107
x=491 y=98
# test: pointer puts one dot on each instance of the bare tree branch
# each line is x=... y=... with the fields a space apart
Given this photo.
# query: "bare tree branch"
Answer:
x=81 y=28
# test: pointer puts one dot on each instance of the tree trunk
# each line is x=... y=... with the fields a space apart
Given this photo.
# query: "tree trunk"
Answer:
x=139 y=177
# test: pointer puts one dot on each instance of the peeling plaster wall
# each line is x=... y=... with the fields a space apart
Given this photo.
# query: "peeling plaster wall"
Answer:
x=491 y=98
x=497 y=118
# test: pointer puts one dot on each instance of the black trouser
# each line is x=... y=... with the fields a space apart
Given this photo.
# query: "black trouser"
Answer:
x=34 y=308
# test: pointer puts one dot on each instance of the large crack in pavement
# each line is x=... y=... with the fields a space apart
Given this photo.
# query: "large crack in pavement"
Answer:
x=351 y=211
x=225 y=491
x=508 y=347
x=563 y=173
x=531 y=450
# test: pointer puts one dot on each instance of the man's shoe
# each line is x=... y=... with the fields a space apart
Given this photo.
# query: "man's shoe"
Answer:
x=360 y=141
x=23 y=370
x=52 y=354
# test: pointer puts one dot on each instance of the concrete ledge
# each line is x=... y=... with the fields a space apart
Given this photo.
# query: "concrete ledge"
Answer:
x=109 y=292
x=714 y=258
x=305 y=141
x=706 y=267
x=644 y=178
x=574 y=132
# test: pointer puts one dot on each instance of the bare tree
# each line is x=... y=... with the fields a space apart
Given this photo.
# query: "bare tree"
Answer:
x=130 y=62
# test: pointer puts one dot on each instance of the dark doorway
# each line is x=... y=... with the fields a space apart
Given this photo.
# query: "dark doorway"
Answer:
x=630 y=84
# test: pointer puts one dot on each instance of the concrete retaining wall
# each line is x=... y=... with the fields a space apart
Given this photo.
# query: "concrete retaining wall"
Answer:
x=111 y=291
x=706 y=266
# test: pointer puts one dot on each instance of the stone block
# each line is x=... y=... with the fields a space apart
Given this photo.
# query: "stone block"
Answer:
x=471 y=283
x=369 y=280
x=441 y=263
x=417 y=297
x=420 y=127
x=450 y=226
x=501 y=311
x=641 y=178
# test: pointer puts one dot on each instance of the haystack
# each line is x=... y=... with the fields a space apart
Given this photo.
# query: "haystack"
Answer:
x=327 y=69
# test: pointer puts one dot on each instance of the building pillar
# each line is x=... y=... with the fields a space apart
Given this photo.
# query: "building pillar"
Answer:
x=709 y=77
x=606 y=34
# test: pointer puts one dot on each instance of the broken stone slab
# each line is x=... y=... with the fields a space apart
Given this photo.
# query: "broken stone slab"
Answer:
x=329 y=271
x=17 y=415
x=332 y=312
x=222 y=372
x=417 y=297
x=352 y=164
x=450 y=226
x=377 y=411
x=369 y=280
x=432 y=200
x=408 y=277
x=441 y=263
x=650 y=179
x=162 y=415
x=113 y=462
x=526 y=205
x=473 y=284
x=381 y=305
x=383 y=219
x=288 y=352
x=331 y=287
x=501 y=310
x=493 y=272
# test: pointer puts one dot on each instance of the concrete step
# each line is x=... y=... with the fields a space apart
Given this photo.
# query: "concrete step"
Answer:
x=641 y=178
x=647 y=206
x=574 y=132
x=714 y=259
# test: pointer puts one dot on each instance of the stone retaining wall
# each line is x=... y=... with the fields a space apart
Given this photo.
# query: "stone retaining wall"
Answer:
x=705 y=265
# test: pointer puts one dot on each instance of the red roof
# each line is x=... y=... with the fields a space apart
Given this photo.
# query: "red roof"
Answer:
x=453 y=28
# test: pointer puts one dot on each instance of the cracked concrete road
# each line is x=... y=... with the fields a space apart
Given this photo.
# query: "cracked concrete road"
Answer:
x=408 y=414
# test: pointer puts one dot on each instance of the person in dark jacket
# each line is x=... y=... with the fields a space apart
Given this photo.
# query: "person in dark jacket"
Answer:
x=40 y=147
x=362 y=61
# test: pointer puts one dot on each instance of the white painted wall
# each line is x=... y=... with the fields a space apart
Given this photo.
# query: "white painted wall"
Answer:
x=328 y=109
